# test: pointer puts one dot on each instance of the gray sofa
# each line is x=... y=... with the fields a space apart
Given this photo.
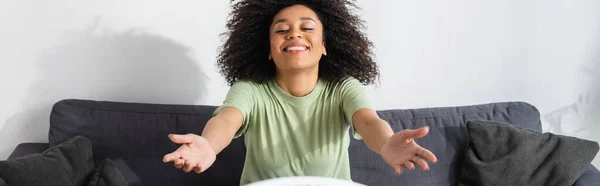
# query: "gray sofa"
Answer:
x=134 y=136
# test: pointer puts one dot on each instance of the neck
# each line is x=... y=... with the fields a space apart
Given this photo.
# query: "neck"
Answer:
x=297 y=84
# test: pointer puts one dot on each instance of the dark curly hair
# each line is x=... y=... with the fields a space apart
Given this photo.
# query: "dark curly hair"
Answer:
x=244 y=55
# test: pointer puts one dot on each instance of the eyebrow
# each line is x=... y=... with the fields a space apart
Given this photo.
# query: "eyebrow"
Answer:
x=302 y=18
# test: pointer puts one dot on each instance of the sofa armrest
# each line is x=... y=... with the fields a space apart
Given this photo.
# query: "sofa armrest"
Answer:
x=591 y=176
x=28 y=148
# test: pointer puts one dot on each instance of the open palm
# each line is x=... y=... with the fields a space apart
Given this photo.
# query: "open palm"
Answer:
x=195 y=153
x=401 y=150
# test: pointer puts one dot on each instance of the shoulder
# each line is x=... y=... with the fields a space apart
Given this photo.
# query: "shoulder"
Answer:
x=348 y=83
x=345 y=87
x=247 y=85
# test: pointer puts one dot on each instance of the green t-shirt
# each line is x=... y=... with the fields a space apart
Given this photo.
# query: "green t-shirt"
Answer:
x=287 y=135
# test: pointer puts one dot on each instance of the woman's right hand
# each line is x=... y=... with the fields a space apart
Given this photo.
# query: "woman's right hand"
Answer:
x=195 y=153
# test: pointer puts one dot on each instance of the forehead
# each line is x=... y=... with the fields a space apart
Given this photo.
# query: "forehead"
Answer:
x=295 y=12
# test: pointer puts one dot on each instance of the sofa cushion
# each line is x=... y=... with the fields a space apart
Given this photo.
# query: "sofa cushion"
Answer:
x=107 y=175
x=67 y=163
x=136 y=135
x=447 y=139
x=502 y=154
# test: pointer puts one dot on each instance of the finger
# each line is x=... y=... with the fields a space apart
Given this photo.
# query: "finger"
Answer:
x=421 y=162
x=171 y=157
x=179 y=163
x=417 y=133
x=189 y=165
x=427 y=155
x=398 y=169
x=197 y=169
x=409 y=165
x=180 y=139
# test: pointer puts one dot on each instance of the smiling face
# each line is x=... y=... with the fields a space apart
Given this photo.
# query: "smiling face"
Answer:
x=296 y=37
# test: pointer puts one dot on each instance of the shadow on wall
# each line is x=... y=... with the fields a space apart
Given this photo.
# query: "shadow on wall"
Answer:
x=582 y=118
x=127 y=66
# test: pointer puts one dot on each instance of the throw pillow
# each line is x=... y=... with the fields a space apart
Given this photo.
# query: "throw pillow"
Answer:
x=505 y=154
x=107 y=175
x=68 y=163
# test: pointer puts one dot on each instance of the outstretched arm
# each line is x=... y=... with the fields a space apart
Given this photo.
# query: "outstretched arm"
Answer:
x=198 y=153
x=397 y=149
x=374 y=131
x=220 y=130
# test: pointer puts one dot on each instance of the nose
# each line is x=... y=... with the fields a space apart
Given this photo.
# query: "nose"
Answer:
x=294 y=33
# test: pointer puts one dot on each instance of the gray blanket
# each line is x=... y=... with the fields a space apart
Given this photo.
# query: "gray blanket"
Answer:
x=503 y=154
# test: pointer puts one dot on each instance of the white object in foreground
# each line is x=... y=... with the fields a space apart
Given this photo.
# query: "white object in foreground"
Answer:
x=305 y=181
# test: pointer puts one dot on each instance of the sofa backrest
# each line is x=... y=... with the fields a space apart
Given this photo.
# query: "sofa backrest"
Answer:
x=134 y=135
x=447 y=139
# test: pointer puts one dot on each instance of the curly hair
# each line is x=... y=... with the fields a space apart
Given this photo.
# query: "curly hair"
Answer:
x=244 y=54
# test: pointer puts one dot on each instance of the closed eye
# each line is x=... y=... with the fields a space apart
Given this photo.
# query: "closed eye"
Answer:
x=284 y=31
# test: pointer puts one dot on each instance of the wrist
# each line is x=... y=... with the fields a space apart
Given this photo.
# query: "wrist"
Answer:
x=211 y=144
x=386 y=140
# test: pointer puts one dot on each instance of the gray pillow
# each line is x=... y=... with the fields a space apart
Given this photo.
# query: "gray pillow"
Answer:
x=504 y=154
x=107 y=175
x=68 y=163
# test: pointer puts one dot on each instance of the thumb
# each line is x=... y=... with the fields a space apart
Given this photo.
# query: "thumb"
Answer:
x=416 y=133
x=180 y=139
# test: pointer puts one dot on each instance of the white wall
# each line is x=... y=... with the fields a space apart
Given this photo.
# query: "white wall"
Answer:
x=445 y=53
x=431 y=53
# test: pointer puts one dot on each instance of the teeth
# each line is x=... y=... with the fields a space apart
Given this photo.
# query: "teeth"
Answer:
x=296 y=48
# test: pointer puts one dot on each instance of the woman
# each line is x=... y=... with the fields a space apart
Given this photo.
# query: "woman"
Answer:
x=296 y=70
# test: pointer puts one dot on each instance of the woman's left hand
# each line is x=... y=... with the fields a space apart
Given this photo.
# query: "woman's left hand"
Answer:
x=401 y=150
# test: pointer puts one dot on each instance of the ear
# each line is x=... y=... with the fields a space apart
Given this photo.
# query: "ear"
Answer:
x=324 y=50
x=270 y=57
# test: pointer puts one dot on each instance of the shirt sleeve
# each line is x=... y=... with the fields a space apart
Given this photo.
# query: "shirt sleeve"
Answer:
x=354 y=98
x=239 y=96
